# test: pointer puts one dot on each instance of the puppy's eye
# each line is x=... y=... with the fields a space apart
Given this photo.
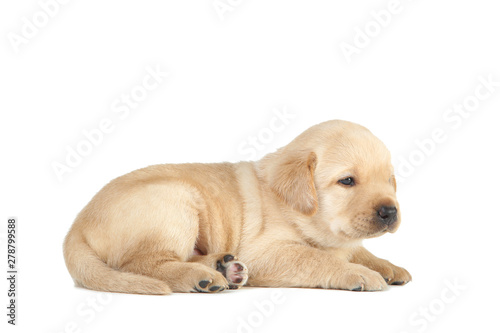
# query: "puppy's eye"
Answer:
x=349 y=181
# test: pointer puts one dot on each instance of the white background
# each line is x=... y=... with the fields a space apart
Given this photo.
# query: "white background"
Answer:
x=225 y=79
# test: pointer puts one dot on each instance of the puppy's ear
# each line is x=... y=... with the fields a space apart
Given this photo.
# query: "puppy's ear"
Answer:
x=393 y=182
x=293 y=181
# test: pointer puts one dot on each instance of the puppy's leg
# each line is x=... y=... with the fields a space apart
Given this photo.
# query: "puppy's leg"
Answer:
x=180 y=276
x=165 y=220
x=393 y=274
x=293 y=265
x=235 y=272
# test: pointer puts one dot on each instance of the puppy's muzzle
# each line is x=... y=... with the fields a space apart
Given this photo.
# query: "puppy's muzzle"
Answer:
x=387 y=215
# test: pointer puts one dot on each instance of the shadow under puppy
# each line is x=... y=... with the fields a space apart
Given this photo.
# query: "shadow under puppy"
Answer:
x=296 y=218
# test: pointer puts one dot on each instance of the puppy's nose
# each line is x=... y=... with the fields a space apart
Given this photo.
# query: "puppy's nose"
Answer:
x=388 y=214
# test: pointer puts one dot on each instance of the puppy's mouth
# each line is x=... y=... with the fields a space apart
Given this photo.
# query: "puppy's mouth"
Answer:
x=368 y=228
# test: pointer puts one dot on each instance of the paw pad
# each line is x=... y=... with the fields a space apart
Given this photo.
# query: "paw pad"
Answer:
x=235 y=272
x=204 y=286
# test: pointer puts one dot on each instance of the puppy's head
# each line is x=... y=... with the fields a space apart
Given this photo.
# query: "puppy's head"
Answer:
x=341 y=175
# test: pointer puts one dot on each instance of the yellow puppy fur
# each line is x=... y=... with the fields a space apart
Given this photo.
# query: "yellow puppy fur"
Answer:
x=296 y=218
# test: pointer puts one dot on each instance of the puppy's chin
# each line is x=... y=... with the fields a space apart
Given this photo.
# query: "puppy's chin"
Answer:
x=364 y=228
x=393 y=228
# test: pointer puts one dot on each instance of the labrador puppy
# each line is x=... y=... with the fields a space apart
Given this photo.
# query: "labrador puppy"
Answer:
x=296 y=218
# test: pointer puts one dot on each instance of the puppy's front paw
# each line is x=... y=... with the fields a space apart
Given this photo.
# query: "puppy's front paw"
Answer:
x=235 y=272
x=359 y=278
x=393 y=275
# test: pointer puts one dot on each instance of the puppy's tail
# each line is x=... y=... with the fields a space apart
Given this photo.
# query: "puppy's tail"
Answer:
x=90 y=272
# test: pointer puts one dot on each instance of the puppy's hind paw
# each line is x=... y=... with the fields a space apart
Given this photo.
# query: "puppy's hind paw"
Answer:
x=235 y=272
